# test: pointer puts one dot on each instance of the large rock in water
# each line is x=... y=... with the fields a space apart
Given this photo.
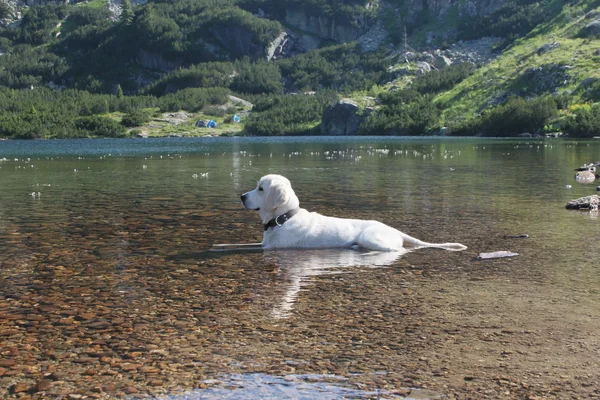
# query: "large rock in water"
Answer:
x=584 y=203
x=343 y=118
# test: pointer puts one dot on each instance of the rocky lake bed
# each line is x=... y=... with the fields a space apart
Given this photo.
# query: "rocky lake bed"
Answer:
x=109 y=289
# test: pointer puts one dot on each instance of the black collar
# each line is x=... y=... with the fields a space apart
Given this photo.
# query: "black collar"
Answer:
x=280 y=220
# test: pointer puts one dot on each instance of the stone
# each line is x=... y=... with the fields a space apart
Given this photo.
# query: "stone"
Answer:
x=496 y=254
x=441 y=62
x=130 y=366
x=7 y=363
x=547 y=47
x=19 y=388
x=43 y=385
x=110 y=387
x=423 y=68
x=343 y=118
x=547 y=78
x=583 y=203
x=591 y=30
x=585 y=176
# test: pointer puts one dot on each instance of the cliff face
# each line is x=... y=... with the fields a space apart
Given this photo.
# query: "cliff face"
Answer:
x=241 y=42
x=439 y=8
x=325 y=27
x=155 y=61
x=15 y=7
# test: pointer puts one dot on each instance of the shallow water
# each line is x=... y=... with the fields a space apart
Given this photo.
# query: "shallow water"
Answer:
x=105 y=269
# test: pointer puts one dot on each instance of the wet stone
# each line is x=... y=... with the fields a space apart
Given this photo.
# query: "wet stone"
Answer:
x=7 y=363
x=19 y=388
x=43 y=385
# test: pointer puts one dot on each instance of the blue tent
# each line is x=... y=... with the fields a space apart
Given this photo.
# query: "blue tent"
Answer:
x=211 y=124
x=236 y=118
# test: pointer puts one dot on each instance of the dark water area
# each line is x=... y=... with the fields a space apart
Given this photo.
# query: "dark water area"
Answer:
x=108 y=289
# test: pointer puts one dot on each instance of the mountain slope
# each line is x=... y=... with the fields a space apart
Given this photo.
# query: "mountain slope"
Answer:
x=558 y=56
x=541 y=56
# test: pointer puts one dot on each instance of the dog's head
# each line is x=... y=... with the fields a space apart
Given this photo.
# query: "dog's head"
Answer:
x=272 y=196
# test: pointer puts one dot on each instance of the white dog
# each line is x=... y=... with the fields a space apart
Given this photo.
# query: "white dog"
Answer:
x=287 y=225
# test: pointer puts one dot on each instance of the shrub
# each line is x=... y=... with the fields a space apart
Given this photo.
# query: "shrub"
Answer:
x=518 y=115
x=135 y=118
x=288 y=115
x=412 y=118
x=100 y=126
x=585 y=124
x=513 y=20
x=444 y=79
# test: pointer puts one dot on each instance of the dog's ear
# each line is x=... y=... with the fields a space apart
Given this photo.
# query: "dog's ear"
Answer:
x=277 y=196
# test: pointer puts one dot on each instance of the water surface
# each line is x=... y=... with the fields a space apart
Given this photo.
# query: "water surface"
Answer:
x=108 y=286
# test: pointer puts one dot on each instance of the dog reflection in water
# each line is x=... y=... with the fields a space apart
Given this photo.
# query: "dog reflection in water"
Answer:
x=297 y=267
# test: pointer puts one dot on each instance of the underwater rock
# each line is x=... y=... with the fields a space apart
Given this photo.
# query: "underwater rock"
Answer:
x=496 y=254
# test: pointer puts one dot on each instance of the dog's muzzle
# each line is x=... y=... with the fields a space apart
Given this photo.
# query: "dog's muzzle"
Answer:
x=244 y=197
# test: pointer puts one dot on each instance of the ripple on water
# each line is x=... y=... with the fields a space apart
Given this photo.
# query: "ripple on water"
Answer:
x=298 y=387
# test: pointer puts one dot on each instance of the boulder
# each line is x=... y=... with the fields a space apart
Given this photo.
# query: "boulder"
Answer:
x=423 y=68
x=585 y=176
x=547 y=47
x=547 y=78
x=240 y=102
x=442 y=62
x=584 y=203
x=343 y=118
x=591 y=30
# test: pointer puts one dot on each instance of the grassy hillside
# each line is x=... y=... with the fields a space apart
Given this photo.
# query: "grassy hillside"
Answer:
x=554 y=58
x=78 y=70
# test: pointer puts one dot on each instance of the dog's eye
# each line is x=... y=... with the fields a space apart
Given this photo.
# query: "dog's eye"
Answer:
x=260 y=189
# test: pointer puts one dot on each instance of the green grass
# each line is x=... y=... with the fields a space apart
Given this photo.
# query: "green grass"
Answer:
x=158 y=127
x=94 y=4
x=501 y=76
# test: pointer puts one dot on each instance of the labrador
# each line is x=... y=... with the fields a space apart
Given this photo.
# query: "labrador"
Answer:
x=286 y=225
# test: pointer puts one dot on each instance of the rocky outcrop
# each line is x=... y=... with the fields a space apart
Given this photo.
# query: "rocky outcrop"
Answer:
x=439 y=8
x=474 y=8
x=240 y=102
x=242 y=43
x=547 y=78
x=15 y=8
x=411 y=14
x=591 y=30
x=343 y=118
x=116 y=6
x=277 y=47
x=150 y=60
x=324 y=26
x=545 y=48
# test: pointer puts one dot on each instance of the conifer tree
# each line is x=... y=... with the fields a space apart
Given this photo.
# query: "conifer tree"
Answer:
x=127 y=12
x=119 y=92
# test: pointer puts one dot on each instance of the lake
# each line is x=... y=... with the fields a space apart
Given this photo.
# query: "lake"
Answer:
x=109 y=288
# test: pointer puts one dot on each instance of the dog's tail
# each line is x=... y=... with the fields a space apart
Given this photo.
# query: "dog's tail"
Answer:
x=446 y=246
